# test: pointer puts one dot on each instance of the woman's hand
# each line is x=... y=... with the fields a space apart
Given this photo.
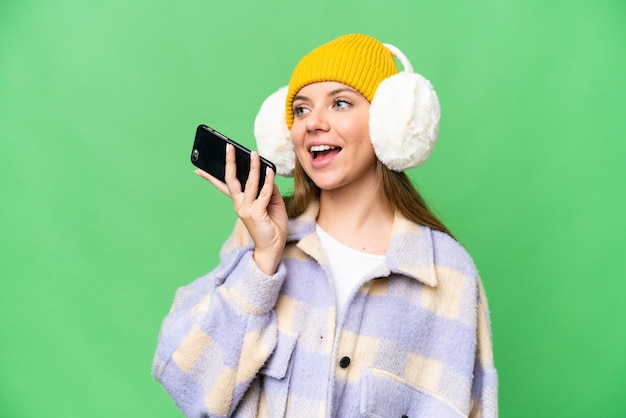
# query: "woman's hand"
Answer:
x=264 y=216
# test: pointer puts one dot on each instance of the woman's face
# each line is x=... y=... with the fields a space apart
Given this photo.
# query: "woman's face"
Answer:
x=330 y=133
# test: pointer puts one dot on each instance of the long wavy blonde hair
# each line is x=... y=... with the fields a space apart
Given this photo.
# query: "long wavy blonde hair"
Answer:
x=396 y=188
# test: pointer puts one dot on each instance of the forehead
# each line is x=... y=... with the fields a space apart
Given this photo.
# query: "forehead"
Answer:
x=324 y=88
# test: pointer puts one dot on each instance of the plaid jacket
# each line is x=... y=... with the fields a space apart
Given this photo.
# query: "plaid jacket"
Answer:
x=414 y=339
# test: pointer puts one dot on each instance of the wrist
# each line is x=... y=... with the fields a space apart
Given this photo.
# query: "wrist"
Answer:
x=267 y=261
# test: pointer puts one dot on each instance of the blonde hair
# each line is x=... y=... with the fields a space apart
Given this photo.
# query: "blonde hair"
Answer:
x=396 y=189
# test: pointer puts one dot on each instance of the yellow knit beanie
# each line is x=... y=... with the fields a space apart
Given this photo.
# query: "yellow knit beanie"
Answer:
x=358 y=61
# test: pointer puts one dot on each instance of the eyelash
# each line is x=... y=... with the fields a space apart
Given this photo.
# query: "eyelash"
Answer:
x=341 y=100
x=300 y=110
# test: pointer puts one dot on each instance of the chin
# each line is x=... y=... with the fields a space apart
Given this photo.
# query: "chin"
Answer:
x=327 y=184
x=323 y=183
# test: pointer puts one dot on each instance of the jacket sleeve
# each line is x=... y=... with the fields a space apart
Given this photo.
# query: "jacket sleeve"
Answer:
x=219 y=332
x=484 y=400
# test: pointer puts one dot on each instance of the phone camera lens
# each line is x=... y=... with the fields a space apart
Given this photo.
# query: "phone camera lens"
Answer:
x=195 y=154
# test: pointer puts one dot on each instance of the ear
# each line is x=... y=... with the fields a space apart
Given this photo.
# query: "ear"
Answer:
x=273 y=137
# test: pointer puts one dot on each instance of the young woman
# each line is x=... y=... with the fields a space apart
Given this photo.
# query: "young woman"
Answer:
x=349 y=298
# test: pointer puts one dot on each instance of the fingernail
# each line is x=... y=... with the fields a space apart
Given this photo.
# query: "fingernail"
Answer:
x=252 y=155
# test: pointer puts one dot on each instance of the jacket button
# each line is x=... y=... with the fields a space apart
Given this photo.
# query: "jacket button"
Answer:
x=405 y=416
x=344 y=362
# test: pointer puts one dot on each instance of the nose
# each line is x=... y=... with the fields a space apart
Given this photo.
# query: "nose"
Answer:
x=317 y=120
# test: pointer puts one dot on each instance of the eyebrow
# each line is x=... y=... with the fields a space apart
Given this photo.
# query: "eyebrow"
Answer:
x=330 y=93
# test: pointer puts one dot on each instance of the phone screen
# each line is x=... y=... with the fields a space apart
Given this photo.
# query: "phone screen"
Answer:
x=209 y=154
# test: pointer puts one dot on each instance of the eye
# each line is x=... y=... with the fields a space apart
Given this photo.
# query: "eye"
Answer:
x=341 y=104
x=300 y=110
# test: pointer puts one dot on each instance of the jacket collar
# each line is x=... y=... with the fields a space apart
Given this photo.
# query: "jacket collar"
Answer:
x=410 y=251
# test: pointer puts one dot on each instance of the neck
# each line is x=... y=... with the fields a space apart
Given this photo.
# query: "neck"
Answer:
x=359 y=219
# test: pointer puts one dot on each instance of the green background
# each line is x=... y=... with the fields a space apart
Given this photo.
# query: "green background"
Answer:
x=102 y=217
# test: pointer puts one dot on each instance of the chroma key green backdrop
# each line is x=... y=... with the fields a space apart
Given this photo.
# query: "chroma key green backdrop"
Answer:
x=102 y=218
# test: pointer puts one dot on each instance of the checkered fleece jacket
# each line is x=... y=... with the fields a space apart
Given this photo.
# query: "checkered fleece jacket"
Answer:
x=414 y=339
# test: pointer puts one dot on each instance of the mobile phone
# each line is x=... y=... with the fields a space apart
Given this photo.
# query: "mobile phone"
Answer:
x=209 y=154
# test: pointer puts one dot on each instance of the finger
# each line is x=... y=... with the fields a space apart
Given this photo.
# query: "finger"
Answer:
x=267 y=191
x=230 y=172
x=252 y=183
x=219 y=185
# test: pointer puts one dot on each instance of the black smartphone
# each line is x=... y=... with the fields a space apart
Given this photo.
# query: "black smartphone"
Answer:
x=209 y=154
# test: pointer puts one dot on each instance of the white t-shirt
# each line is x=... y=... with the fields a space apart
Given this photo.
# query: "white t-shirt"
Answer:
x=347 y=265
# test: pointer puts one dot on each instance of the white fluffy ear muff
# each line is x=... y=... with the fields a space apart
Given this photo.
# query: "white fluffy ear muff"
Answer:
x=404 y=118
x=273 y=138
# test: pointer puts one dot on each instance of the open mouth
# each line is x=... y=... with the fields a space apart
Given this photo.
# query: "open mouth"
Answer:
x=323 y=151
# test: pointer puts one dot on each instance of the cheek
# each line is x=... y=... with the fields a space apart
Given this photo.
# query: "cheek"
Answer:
x=357 y=124
x=297 y=137
x=298 y=128
x=357 y=130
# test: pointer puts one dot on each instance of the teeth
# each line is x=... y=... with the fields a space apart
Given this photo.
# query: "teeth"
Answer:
x=318 y=148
